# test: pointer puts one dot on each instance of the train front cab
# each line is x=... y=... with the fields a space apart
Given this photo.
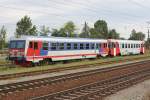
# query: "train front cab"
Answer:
x=114 y=49
x=17 y=51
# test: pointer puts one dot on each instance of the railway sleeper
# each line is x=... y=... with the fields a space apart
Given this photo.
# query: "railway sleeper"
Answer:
x=108 y=87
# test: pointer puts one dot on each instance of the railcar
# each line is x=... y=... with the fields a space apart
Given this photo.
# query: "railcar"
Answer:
x=125 y=47
x=34 y=49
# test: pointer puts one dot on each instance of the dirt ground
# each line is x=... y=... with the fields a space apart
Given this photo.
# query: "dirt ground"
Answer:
x=140 y=91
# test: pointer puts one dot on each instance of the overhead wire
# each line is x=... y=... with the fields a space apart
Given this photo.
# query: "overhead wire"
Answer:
x=96 y=10
x=82 y=5
x=138 y=4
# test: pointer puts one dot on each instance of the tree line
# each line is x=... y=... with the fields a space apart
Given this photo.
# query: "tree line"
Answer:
x=100 y=31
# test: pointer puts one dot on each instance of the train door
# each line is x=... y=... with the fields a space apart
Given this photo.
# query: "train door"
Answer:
x=101 y=49
x=34 y=49
x=112 y=48
x=117 y=49
x=142 y=48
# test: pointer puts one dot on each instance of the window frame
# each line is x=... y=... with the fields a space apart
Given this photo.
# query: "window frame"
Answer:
x=61 y=46
x=87 y=46
x=92 y=46
x=45 y=47
x=81 y=46
x=68 y=46
x=53 y=47
x=75 y=46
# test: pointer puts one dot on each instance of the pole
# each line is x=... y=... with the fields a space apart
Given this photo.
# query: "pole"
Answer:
x=85 y=30
x=148 y=40
x=148 y=34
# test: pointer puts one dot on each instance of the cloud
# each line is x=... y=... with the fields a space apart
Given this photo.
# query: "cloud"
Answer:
x=54 y=13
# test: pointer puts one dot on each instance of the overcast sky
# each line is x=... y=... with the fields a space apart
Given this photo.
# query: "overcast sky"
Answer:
x=123 y=15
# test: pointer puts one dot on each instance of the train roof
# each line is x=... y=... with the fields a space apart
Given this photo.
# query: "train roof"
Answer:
x=125 y=41
x=71 y=39
x=60 y=39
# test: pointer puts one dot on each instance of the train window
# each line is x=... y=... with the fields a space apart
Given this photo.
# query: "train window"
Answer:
x=61 y=46
x=45 y=45
x=81 y=46
x=35 y=45
x=131 y=45
x=97 y=46
x=20 y=44
x=53 y=46
x=75 y=46
x=109 y=45
x=30 y=45
x=92 y=46
x=105 y=45
x=122 y=45
x=100 y=45
x=12 y=44
x=68 y=46
x=87 y=46
x=136 y=45
x=126 y=46
x=114 y=45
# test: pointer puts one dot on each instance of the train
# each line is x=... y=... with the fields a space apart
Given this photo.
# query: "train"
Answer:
x=31 y=50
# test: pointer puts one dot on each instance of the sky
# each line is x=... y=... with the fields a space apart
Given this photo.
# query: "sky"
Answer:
x=123 y=15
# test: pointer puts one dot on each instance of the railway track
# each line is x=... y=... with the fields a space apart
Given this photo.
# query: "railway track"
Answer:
x=77 y=86
x=32 y=73
x=98 y=90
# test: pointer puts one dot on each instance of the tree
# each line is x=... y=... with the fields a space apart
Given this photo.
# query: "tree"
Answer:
x=133 y=35
x=113 y=34
x=44 y=31
x=136 y=35
x=69 y=29
x=85 y=31
x=100 y=29
x=25 y=27
x=55 y=32
x=93 y=33
x=3 y=34
x=63 y=33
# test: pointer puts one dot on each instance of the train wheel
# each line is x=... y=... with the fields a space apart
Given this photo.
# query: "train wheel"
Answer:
x=27 y=64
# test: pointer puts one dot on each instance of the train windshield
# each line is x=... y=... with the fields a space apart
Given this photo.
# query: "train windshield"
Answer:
x=17 y=44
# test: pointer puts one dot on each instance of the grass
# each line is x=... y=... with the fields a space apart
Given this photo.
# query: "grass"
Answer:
x=18 y=69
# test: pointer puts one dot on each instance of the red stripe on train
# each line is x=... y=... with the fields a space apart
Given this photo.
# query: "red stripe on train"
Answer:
x=31 y=57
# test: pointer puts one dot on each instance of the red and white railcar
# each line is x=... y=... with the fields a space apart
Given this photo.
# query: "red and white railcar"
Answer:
x=125 y=47
x=38 y=49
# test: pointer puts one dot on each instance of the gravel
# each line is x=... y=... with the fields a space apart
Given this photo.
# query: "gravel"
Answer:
x=140 y=91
